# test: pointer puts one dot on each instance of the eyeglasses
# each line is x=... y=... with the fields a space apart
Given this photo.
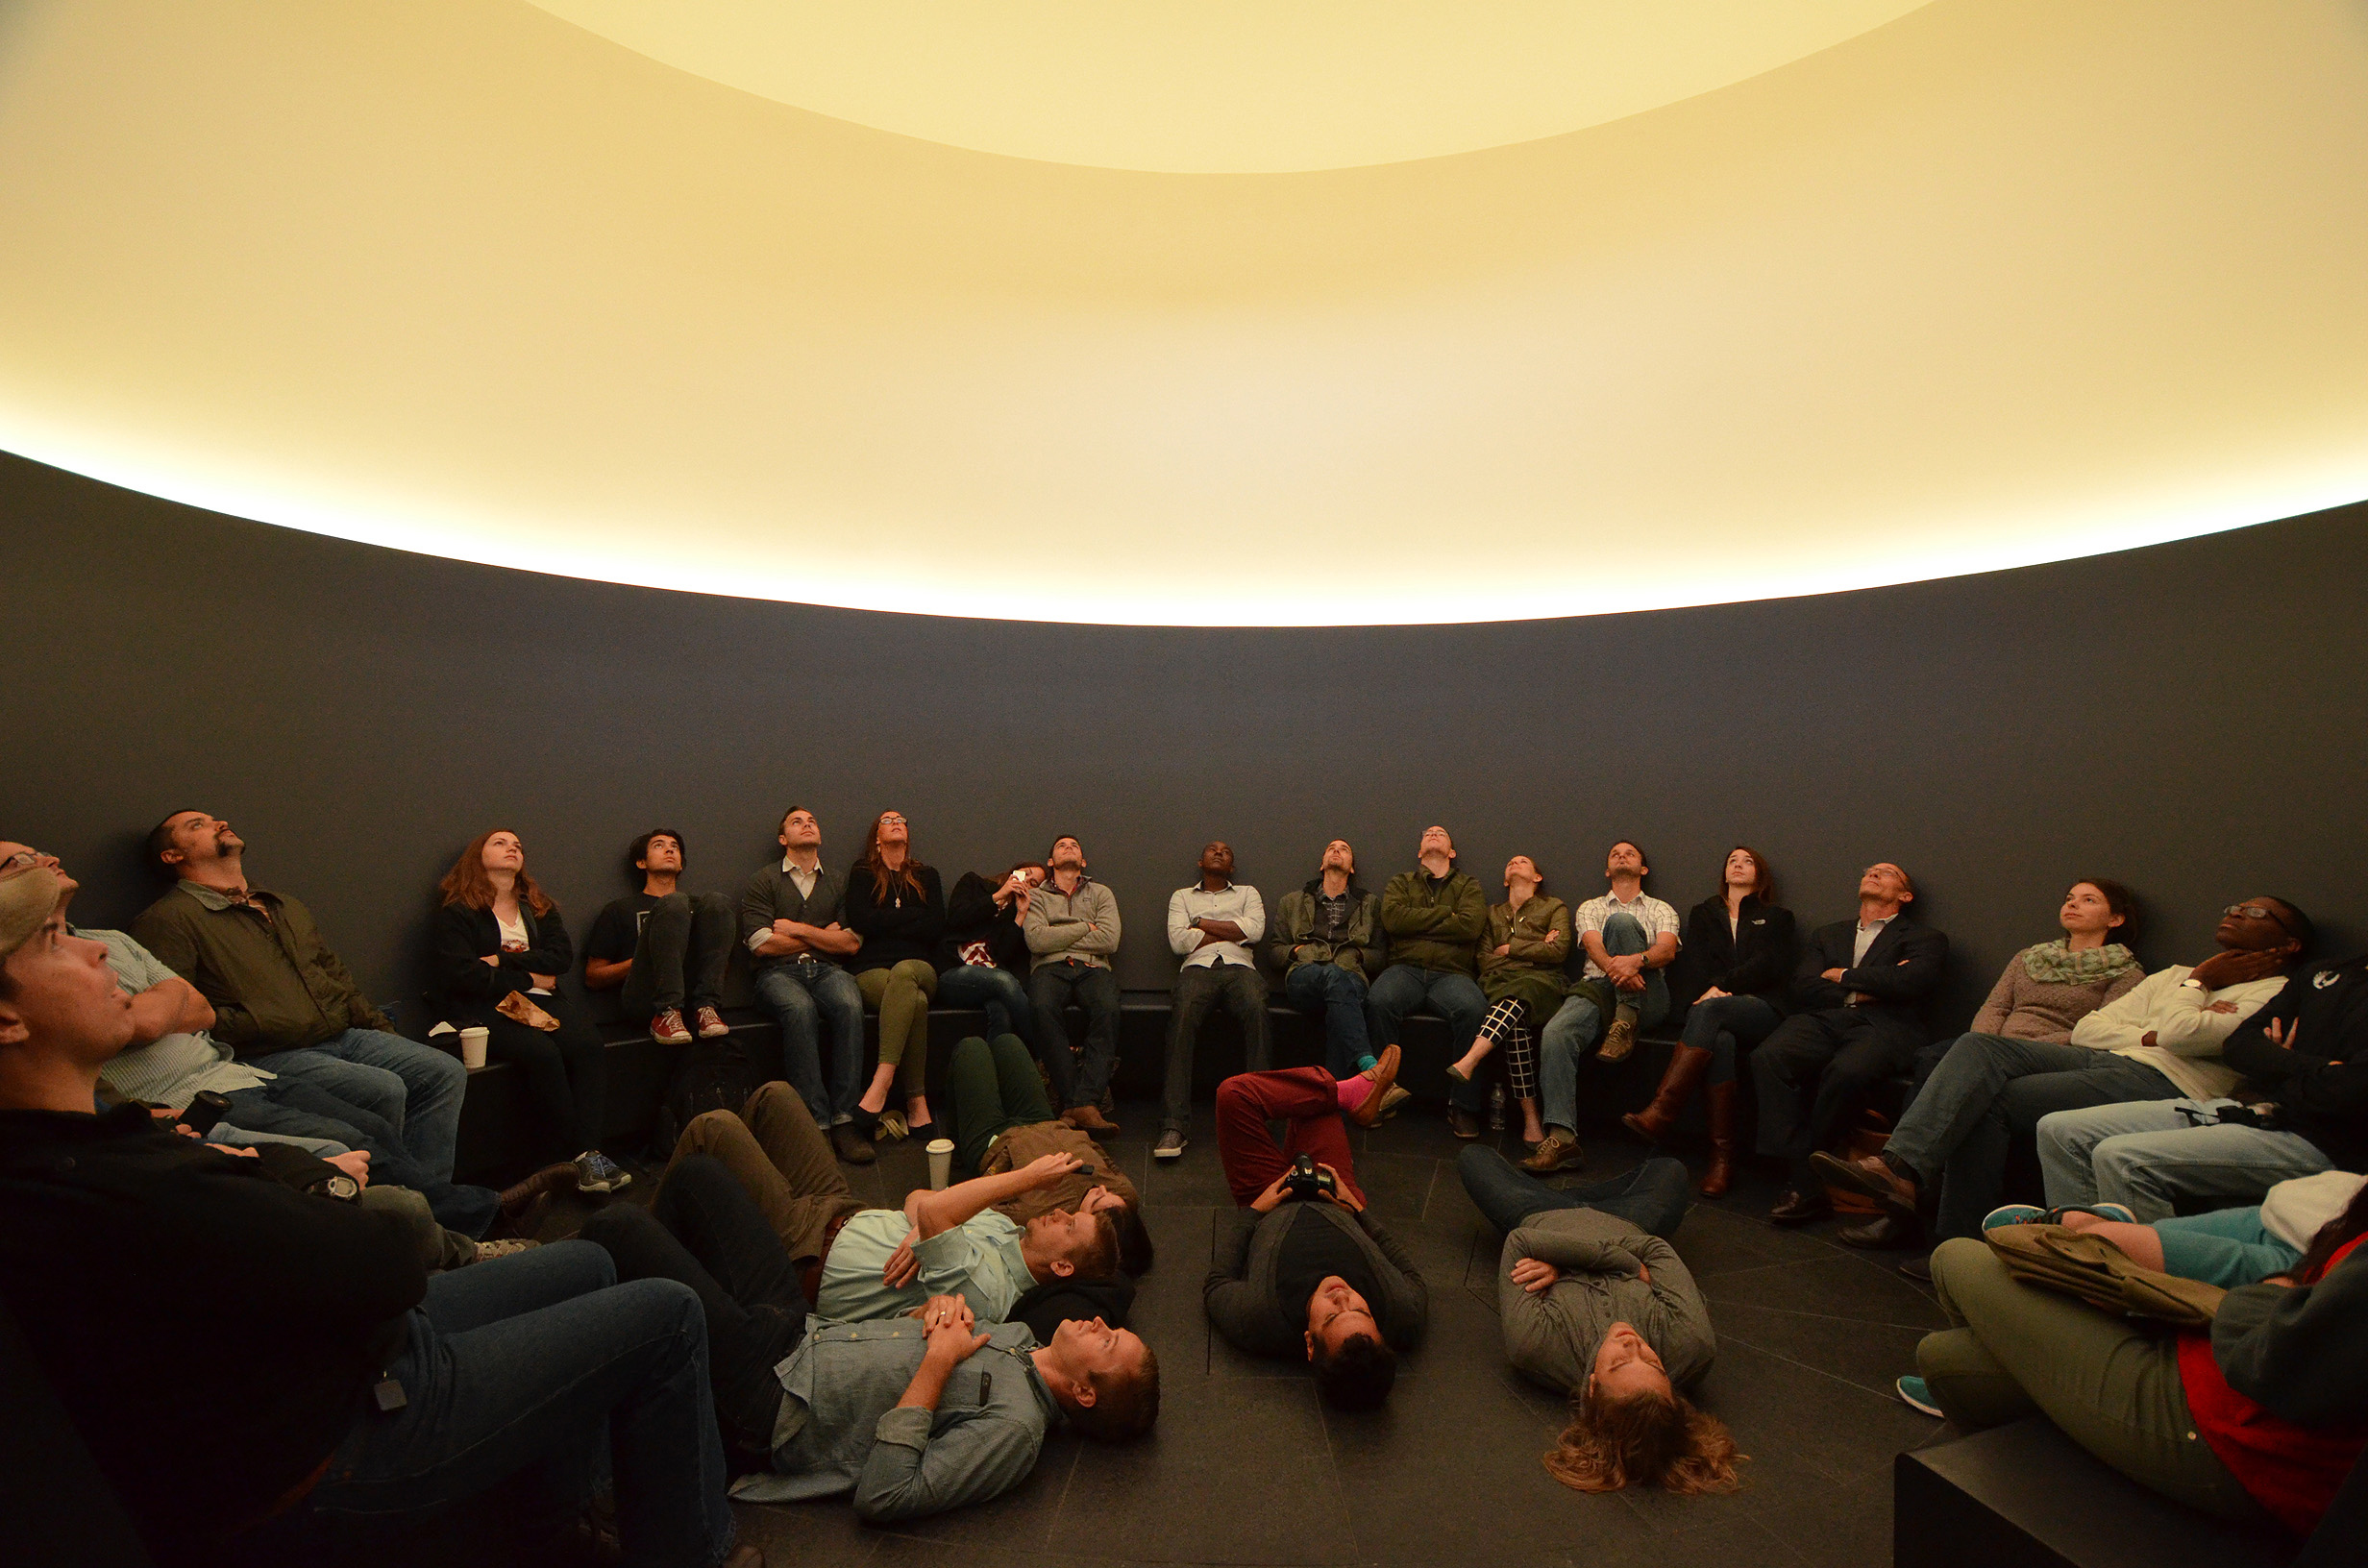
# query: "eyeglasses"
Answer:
x=24 y=860
x=2259 y=911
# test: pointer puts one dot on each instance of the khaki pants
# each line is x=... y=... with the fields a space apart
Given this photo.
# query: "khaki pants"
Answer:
x=2113 y=1385
x=774 y=1150
x=901 y=996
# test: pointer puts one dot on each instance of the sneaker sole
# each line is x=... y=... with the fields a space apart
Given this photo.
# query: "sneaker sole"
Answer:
x=1170 y=1154
x=1932 y=1411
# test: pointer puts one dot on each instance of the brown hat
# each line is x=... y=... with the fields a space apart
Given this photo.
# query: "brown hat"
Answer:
x=26 y=898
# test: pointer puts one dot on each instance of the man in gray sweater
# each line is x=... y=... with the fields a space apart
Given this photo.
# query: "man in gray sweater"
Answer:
x=790 y=921
x=1072 y=930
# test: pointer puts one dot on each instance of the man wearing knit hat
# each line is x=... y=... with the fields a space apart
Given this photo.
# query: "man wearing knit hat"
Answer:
x=282 y=1345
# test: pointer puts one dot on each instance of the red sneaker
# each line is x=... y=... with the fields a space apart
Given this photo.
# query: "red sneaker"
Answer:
x=667 y=1028
x=711 y=1024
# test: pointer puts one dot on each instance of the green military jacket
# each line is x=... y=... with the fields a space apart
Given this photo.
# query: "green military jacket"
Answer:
x=1290 y=933
x=1434 y=928
x=273 y=984
x=1539 y=935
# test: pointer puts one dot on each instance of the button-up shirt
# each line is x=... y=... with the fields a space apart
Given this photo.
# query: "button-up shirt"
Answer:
x=171 y=1069
x=1657 y=917
x=1868 y=931
x=841 y=1429
x=1236 y=901
x=978 y=1259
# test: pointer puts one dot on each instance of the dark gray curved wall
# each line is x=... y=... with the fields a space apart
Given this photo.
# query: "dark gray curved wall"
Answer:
x=2187 y=718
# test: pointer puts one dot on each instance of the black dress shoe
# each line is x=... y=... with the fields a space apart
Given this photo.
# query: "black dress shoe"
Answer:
x=1918 y=1269
x=1881 y=1233
x=1800 y=1208
x=1463 y=1123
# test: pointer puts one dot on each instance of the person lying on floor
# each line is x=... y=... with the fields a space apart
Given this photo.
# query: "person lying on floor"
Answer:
x=1310 y=1273
x=2226 y=1247
x=1003 y=1122
x=2258 y=1417
x=1596 y=1305
x=860 y=1261
x=282 y=1345
x=910 y=1418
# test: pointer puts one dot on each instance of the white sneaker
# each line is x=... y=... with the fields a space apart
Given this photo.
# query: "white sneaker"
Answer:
x=1171 y=1146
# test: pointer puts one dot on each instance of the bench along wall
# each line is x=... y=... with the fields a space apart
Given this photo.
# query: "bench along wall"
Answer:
x=2186 y=717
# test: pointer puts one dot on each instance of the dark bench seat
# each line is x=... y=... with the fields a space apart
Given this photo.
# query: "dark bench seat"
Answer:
x=2027 y=1494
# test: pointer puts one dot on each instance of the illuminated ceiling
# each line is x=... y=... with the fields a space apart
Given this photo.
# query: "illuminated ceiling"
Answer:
x=1862 y=301
x=1229 y=87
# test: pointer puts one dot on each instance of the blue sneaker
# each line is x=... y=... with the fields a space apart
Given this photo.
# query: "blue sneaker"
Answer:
x=596 y=1172
x=2012 y=1214
x=2103 y=1211
x=1916 y=1397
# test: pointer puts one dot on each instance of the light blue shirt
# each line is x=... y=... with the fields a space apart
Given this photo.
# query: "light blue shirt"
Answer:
x=978 y=1261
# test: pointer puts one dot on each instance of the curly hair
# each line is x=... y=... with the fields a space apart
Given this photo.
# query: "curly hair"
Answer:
x=1647 y=1439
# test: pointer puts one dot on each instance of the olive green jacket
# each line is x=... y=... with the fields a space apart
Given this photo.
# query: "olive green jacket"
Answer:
x=1434 y=928
x=1292 y=942
x=273 y=984
x=1539 y=937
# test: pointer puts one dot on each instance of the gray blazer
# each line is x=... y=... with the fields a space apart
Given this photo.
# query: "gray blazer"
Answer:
x=1240 y=1290
x=1551 y=1338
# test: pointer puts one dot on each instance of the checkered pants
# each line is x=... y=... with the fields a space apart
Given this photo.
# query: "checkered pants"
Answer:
x=1506 y=1025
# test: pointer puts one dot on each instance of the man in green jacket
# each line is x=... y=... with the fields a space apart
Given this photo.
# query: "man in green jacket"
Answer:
x=282 y=1000
x=1434 y=916
x=1325 y=941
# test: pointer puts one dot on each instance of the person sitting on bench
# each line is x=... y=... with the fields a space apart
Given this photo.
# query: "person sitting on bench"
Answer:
x=661 y=949
x=1302 y=1273
x=910 y=1423
x=1596 y=1305
x=2259 y=1415
x=2226 y=1247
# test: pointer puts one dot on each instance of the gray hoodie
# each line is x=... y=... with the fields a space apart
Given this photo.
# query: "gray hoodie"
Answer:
x=1551 y=1338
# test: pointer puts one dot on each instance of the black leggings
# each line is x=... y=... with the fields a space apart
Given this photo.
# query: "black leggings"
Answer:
x=707 y=1232
x=566 y=1072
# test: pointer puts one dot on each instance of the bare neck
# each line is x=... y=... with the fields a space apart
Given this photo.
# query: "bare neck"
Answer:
x=1871 y=910
x=1519 y=892
x=1335 y=883
x=1437 y=865
x=2080 y=941
x=658 y=884
x=1066 y=878
x=1735 y=898
x=805 y=860
x=48 y=1084
x=1625 y=888
x=229 y=875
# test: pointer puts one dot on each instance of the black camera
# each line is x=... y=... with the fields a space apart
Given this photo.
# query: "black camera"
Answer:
x=1304 y=1181
x=204 y=1112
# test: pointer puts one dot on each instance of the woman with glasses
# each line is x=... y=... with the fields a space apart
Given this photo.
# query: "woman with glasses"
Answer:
x=896 y=905
x=2159 y=1039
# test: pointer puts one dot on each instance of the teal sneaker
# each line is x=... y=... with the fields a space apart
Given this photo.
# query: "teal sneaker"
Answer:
x=2012 y=1214
x=1916 y=1397
x=2103 y=1211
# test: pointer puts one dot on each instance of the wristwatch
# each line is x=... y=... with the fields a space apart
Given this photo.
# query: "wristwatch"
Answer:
x=341 y=1186
x=2191 y=983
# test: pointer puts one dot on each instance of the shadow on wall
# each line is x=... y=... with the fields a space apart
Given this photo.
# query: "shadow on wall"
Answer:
x=362 y=713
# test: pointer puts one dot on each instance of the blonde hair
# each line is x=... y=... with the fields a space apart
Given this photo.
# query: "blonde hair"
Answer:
x=1648 y=1440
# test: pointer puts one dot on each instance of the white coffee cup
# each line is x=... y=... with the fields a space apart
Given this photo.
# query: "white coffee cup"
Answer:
x=940 y=1163
x=473 y=1045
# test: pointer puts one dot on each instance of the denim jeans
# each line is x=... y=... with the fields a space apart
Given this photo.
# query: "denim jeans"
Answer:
x=1724 y=1025
x=1653 y=1197
x=246 y=1137
x=1000 y=992
x=1239 y=988
x=433 y=1082
x=541 y=1359
x=1078 y=1078
x=1338 y=996
x=1402 y=988
x=2148 y=1155
x=1987 y=1091
x=1578 y=1026
x=705 y=1230
x=799 y=994
x=299 y=1105
x=678 y=960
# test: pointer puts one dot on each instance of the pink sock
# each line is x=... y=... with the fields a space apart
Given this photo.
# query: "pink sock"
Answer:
x=1351 y=1091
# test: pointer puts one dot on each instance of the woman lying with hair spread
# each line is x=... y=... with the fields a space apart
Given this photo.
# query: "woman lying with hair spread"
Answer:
x=1596 y=1303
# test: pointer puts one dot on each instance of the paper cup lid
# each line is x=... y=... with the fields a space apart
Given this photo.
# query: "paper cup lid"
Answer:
x=940 y=1146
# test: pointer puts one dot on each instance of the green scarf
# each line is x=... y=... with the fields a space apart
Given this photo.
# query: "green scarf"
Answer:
x=2055 y=963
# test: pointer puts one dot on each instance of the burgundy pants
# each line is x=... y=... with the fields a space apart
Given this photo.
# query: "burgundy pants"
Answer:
x=1302 y=1098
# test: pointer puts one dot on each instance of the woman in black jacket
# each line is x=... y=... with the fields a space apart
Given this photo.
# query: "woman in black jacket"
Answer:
x=895 y=905
x=500 y=949
x=984 y=960
x=1742 y=944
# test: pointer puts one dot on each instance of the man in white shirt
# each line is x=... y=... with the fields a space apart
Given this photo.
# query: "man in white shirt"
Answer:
x=1212 y=926
x=791 y=922
x=2158 y=1040
x=1629 y=937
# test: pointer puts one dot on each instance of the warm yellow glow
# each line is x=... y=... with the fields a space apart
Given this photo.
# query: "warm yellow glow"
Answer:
x=1991 y=284
x=1229 y=87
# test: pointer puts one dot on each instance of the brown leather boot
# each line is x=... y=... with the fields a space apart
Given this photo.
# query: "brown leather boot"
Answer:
x=1689 y=1065
x=1722 y=1175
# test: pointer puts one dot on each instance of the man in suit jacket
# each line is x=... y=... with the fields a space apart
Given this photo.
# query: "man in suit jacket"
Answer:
x=1858 y=1015
x=1313 y=1277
